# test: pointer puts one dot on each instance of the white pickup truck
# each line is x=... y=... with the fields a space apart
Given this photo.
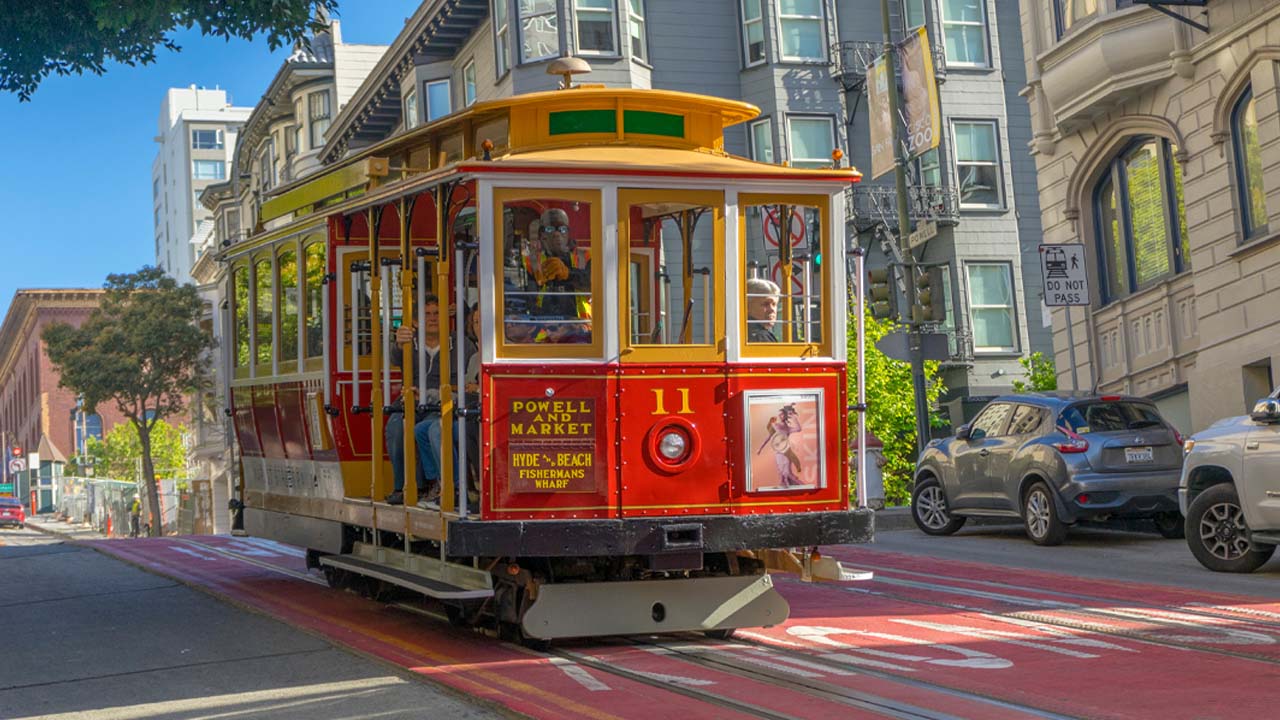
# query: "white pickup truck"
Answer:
x=1230 y=490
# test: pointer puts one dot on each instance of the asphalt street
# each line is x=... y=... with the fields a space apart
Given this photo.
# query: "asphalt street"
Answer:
x=88 y=636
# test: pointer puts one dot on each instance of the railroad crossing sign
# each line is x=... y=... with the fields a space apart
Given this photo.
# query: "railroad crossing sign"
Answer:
x=1065 y=281
x=17 y=465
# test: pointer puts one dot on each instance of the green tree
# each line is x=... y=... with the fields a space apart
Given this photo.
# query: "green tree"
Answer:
x=117 y=454
x=1041 y=374
x=71 y=37
x=891 y=405
x=142 y=349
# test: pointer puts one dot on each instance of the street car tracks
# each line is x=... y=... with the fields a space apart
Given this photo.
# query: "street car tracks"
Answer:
x=1181 y=627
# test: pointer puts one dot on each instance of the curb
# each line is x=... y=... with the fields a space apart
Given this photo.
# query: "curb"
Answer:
x=67 y=532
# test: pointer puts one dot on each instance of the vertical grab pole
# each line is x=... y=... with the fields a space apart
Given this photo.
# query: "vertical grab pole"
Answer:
x=408 y=393
x=354 y=280
x=445 y=463
x=807 y=298
x=325 y=360
x=860 y=261
x=376 y=397
x=386 y=336
x=460 y=302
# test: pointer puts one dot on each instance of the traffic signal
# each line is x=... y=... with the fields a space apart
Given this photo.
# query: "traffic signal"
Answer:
x=15 y=451
x=931 y=301
x=880 y=293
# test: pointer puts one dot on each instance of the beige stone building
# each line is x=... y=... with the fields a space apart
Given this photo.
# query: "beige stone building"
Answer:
x=1157 y=146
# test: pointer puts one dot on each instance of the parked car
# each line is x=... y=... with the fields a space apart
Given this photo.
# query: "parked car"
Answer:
x=11 y=512
x=1230 y=490
x=1053 y=459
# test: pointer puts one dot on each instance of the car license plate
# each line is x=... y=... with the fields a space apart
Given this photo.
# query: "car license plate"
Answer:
x=1138 y=455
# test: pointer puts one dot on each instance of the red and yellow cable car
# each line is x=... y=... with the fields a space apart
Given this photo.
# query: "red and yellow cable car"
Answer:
x=641 y=341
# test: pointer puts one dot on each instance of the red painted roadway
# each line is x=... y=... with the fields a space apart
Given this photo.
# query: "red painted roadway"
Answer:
x=961 y=639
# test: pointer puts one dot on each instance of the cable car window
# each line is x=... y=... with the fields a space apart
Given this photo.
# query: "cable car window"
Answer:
x=782 y=289
x=548 y=284
x=287 y=266
x=262 y=308
x=315 y=271
x=240 y=283
x=674 y=267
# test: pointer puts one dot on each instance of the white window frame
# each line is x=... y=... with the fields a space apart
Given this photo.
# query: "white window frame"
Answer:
x=219 y=141
x=831 y=125
x=821 y=17
x=222 y=173
x=906 y=14
x=746 y=40
x=642 y=20
x=317 y=129
x=1007 y=266
x=612 y=11
x=555 y=52
x=411 y=114
x=426 y=97
x=469 y=83
x=501 y=37
x=998 y=163
x=767 y=123
x=986 y=36
x=266 y=167
x=299 y=124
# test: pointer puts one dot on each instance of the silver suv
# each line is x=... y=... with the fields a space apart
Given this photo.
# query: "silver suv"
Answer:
x=1053 y=459
x=1230 y=490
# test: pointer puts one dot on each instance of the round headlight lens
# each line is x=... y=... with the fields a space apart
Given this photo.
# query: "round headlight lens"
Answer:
x=673 y=445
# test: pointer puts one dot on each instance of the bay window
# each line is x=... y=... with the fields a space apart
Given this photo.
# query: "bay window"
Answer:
x=991 y=313
x=595 y=27
x=801 y=23
x=964 y=26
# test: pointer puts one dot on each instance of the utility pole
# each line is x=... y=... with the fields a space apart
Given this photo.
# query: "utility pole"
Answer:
x=904 y=222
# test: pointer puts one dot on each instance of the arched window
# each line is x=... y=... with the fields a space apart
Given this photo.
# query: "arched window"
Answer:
x=1141 y=218
x=1244 y=136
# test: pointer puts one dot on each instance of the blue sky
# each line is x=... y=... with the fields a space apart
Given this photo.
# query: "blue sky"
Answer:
x=76 y=190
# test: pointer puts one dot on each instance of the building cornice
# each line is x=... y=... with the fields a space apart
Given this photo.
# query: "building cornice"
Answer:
x=23 y=312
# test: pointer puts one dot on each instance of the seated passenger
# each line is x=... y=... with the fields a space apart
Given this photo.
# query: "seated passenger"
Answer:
x=762 y=310
x=428 y=476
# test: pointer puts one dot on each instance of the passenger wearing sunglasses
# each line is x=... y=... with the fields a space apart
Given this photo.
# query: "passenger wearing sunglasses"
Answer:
x=560 y=273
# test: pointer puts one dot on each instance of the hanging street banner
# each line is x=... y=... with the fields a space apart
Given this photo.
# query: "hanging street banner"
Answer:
x=881 y=119
x=920 y=112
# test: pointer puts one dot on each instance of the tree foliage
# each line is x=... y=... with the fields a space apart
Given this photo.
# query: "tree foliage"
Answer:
x=142 y=349
x=1041 y=374
x=71 y=37
x=117 y=454
x=891 y=406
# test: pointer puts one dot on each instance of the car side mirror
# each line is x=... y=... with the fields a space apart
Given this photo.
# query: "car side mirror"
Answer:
x=963 y=432
x=1267 y=410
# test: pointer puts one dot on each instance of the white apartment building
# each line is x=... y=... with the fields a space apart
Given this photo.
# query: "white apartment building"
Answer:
x=196 y=132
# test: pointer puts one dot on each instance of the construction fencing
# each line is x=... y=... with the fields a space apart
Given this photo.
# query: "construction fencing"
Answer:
x=105 y=503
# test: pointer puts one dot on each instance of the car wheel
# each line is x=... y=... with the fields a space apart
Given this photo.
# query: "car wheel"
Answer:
x=1040 y=516
x=930 y=511
x=1218 y=535
x=1171 y=525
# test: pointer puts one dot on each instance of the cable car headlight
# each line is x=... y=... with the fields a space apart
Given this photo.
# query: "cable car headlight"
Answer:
x=673 y=445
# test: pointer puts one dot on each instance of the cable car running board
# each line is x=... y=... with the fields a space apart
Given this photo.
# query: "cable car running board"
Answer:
x=420 y=573
x=564 y=610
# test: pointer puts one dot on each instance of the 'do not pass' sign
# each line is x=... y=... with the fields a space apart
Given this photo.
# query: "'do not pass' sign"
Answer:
x=1065 y=281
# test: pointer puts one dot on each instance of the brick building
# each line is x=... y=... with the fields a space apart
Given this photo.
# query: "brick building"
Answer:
x=34 y=412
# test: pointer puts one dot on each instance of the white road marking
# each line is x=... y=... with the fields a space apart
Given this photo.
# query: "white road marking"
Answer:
x=579 y=674
x=192 y=553
x=1001 y=636
x=968 y=658
x=820 y=667
x=277 y=548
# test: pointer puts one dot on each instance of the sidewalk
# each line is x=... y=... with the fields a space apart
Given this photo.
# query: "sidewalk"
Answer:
x=50 y=525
